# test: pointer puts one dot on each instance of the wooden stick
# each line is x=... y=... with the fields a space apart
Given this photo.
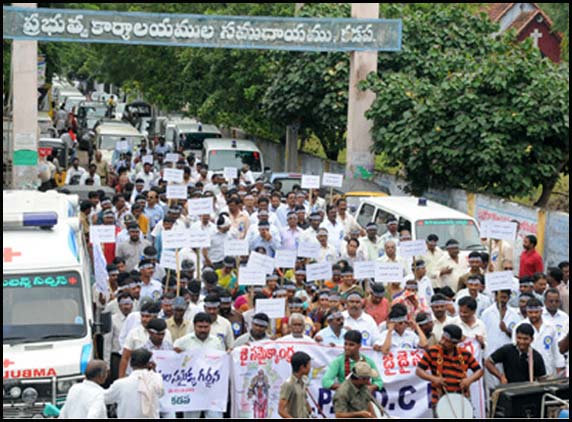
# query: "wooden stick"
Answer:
x=168 y=278
x=199 y=263
x=331 y=196
x=530 y=364
x=178 y=271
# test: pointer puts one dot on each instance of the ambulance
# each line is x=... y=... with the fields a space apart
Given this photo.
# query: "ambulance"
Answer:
x=48 y=323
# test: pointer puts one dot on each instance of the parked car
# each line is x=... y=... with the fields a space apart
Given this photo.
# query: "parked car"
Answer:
x=220 y=153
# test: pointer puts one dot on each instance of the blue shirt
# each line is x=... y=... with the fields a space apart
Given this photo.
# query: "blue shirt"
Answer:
x=154 y=215
x=328 y=336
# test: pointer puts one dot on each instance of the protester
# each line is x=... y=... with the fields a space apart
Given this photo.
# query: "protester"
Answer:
x=86 y=400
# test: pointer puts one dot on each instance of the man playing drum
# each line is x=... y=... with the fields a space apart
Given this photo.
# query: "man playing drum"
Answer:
x=448 y=365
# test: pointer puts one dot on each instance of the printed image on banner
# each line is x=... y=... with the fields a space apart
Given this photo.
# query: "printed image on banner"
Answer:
x=260 y=370
x=193 y=380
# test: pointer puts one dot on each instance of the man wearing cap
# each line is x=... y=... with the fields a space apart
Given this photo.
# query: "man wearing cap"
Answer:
x=132 y=250
x=451 y=267
x=177 y=325
x=149 y=287
x=291 y=234
x=333 y=334
x=357 y=319
x=401 y=332
x=448 y=365
x=328 y=253
x=335 y=229
x=353 y=398
x=371 y=244
x=545 y=338
x=475 y=283
x=432 y=257
x=439 y=304
x=391 y=233
x=377 y=305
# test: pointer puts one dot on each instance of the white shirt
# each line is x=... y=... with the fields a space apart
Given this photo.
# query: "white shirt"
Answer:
x=309 y=235
x=95 y=177
x=190 y=342
x=348 y=223
x=560 y=320
x=216 y=251
x=336 y=233
x=328 y=254
x=222 y=329
x=84 y=401
x=404 y=262
x=425 y=289
x=365 y=324
x=409 y=340
x=431 y=259
x=438 y=326
x=149 y=178
x=496 y=337
x=483 y=301
x=125 y=393
x=471 y=331
x=154 y=290
x=451 y=279
x=303 y=339
x=372 y=250
x=545 y=343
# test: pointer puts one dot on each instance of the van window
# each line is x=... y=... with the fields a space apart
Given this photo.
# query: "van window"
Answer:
x=219 y=159
x=194 y=140
x=463 y=230
x=365 y=215
x=381 y=218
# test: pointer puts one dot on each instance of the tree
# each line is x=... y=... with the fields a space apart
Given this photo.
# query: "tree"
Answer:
x=459 y=109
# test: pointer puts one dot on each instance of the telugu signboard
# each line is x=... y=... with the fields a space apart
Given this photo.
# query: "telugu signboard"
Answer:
x=246 y=32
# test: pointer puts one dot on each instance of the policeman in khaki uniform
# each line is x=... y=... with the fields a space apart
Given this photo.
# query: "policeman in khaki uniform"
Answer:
x=353 y=399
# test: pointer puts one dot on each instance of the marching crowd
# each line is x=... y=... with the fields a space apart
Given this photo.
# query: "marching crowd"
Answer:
x=442 y=301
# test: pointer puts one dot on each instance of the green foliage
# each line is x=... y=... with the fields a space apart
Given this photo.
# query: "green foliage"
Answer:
x=459 y=109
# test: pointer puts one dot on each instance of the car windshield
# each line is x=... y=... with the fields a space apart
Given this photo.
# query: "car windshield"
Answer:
x=220 y=159
x=288 y=183
x=464 y=231
x=110 y=142
x=41 y=306
x=93 y=112
x=194 y=140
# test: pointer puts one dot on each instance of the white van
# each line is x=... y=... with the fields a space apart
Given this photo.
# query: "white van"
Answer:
x=190 y=135
x=221 y=153
x=422 y=218
x=46 y=297
x=113 y=138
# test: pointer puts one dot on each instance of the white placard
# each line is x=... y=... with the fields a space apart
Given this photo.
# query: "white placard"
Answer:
x=259 y=261
x=230 y=173
x=175 y=239
x=364 y=269
x=310 y=182
x=122 y=146
x=285 y=258
x=147 y=159
x=333 y=180
x=411 y=248
x=319 y=271
x=176 y=192
x=199 y=239
x=200 y=206
x=387 y=272
x=173 y=175
x=172 y=158
x=274 y=308
x=236 y=247
x=102 y=234
x=169 y=259
x=251 y=277
x=308 y=249
x=501 y=280
x=505 y=230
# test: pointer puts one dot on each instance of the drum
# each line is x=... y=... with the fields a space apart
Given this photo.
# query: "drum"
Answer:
x=454 y=406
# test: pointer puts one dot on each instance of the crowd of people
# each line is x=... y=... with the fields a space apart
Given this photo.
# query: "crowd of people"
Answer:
x=442 y=301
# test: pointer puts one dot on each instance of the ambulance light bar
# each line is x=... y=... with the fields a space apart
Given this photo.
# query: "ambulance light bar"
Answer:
x=30 y=219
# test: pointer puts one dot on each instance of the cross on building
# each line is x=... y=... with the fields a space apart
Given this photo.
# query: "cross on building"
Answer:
x=536 y=35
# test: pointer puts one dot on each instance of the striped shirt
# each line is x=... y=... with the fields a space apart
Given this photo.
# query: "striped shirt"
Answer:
x=453 y=368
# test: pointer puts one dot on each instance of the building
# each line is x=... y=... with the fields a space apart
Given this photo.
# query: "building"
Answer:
x=528 y=20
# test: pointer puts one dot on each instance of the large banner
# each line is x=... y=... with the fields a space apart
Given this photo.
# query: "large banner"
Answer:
x=259 y=371
x=193 y=380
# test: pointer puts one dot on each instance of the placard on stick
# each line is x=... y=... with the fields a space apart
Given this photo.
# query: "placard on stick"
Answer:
x=388 y=272
x=332 y=180
x=274 y=308
x=310 y=182
x=501 y=280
